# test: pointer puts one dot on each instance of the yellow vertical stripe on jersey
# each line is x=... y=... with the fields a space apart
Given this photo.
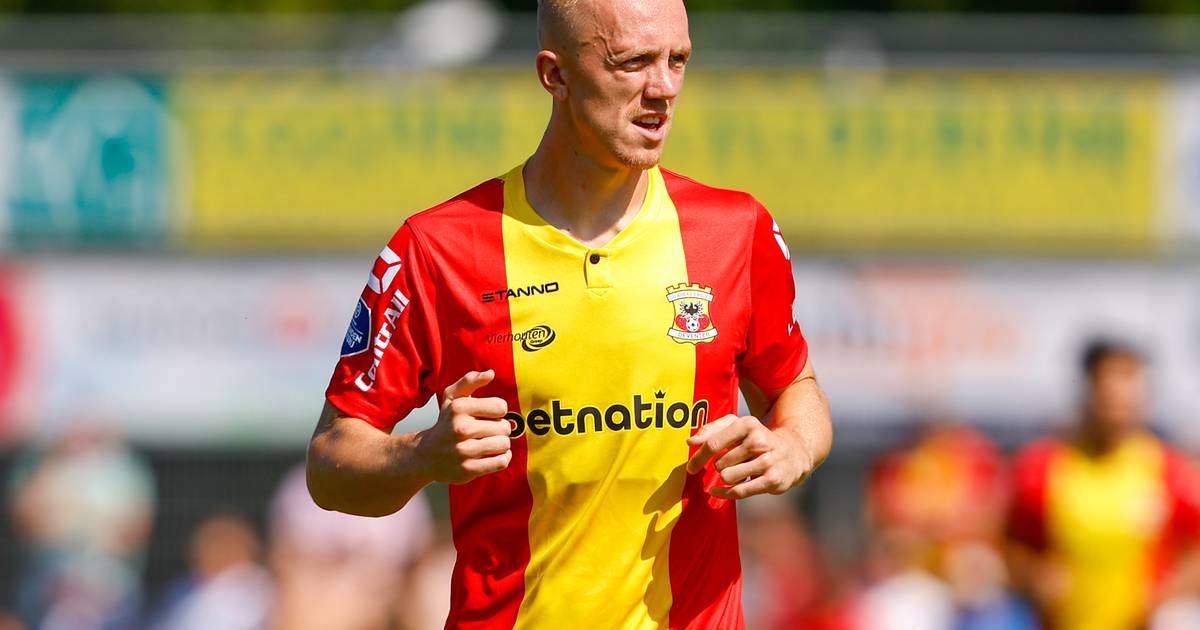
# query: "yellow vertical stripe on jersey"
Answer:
x=1115 y=503
x=604 y=502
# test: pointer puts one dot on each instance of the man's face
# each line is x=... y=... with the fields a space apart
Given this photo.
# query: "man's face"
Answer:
x=623 y=74
x=1119 y=392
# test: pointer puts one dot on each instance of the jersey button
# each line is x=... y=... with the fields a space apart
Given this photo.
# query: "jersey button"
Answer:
x=594 y=258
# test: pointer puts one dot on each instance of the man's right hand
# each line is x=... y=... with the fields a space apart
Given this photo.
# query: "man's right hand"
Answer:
x=470 y=438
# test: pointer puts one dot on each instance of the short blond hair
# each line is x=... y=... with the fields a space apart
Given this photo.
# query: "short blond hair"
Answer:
x=554 y=19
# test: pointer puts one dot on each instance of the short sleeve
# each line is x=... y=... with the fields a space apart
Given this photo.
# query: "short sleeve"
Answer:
x=389 y=354
x=1183 y=483
x=776 y=352
x=1027 y=510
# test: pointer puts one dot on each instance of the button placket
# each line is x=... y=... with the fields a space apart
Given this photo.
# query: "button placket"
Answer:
x=597 y=270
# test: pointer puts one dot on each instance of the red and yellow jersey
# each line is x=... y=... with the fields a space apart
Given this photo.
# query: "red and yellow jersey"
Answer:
x=1114 y=524
x=609 y=358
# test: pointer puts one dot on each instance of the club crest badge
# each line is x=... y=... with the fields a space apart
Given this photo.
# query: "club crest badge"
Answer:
x=692 y=323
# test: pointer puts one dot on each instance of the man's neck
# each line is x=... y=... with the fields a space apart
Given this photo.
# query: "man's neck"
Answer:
x=588 y=200
x=1096 y=441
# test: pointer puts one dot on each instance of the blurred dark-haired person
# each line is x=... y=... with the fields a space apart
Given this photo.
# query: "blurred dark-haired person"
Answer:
x=1103 y=521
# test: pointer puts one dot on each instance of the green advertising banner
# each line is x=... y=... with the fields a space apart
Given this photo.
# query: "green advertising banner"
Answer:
x=88 y=162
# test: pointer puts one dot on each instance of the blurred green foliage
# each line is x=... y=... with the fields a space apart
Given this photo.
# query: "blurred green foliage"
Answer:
x=258 y=6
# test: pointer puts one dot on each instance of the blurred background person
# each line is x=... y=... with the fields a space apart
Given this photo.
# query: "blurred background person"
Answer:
x=335 y=570
x=82 y=510
x=226 y=587
x=787 y=583
x=936 y=512
x=1105 y=522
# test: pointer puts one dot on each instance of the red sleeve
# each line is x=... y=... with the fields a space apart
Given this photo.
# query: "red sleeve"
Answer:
x=390 y=353
x=776 y=351
x=1183 y=483
x=1027 y=515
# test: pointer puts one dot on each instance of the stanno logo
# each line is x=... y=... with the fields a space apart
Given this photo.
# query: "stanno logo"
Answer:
x=642 y=415
x=499 y=295
x=531 y=340
x=692 y=323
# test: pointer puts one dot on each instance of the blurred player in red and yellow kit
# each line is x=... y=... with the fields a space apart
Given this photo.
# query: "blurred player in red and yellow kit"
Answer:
x=1102 y=523
x=586 y=321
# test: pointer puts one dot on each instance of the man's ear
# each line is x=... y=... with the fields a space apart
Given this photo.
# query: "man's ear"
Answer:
x=550 y=74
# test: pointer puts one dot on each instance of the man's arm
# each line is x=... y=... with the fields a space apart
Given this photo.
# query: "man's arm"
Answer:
x=356 y=468
x=754 y=459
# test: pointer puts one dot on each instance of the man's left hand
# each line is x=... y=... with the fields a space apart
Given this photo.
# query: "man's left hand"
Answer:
x=751 y=458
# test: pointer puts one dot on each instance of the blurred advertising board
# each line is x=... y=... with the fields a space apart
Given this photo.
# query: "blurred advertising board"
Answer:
x=238 y=351
x=953 y=159
x=177 y=351
x=86 y=161
x=283 y=160
x=1181 y=167
x=996 y=342
x=287 y=159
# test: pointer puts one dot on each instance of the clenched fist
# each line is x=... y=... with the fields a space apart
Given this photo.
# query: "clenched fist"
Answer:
x=470 y=438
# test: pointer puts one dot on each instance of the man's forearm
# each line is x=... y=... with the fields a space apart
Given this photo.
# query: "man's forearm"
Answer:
x=358 y=469
x=802 y=412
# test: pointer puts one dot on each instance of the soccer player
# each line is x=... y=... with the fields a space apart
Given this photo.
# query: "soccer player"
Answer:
x=586 y=320
x=1103 y=522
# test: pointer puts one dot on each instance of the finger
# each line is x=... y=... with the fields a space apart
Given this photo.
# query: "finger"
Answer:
x=702 y=434
x=483 y=447
x=479 y=407
x=734 y=475
x=736 y=455
x=470 y=382
x=469 y=427
x=759 y=485
x=756 y=443
x=487 y=465
x=716 y=443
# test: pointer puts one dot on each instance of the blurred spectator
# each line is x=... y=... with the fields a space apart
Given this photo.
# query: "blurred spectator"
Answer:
x=951 y=486
x=1104 y=522
x=979 y=580
x=227 y=587
x=348 y=572
x=937 y=510
x=427 y=601
x=785 y=583
x=83 y=510
x=903 y=594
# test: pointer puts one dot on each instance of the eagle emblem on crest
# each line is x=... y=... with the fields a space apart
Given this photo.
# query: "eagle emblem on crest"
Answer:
x=693 y=323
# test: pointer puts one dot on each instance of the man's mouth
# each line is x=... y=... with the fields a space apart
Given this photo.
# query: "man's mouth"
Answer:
x=651 y=122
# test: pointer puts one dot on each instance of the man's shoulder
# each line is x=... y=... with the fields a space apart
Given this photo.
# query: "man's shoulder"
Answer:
x=689 y=194
x=1039 y=454
x=484 y=202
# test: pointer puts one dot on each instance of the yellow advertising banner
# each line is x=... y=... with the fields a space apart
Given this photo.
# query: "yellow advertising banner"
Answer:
x=280 y=159
x=941 y=160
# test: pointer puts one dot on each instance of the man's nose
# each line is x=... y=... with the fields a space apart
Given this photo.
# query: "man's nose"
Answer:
x=663 y=82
